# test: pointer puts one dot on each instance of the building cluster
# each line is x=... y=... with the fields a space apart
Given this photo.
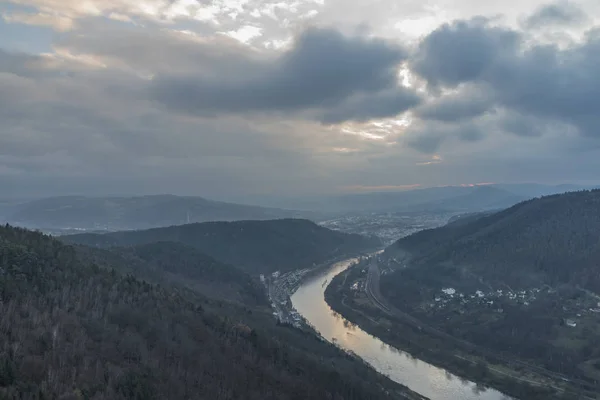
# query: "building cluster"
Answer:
x=450 y=299
x=280 y=286
x=388 y=226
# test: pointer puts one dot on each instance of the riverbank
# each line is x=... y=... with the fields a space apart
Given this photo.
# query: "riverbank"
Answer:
x=281 y=286
x=423 y=378
x=395 y=389
x=412 y=338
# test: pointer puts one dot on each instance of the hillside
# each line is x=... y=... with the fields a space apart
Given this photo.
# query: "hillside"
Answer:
x=551 y=240
x=178 y=264
x=468 y=217
x=255 y=246
x=142 y=212
x=523 y=283
x=73 y=330
x=531 y=190
x=427 y=199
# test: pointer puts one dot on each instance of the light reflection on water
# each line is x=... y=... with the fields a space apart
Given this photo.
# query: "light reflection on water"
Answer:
x=432 y=382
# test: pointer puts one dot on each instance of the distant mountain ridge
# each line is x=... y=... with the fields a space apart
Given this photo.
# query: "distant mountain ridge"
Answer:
x=479 y=198
x=255 y=246
x=466 y=198
x=69 y=214
x=141 y=212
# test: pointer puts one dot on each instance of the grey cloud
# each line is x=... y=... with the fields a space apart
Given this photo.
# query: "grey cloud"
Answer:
x=547 y=82
x=83 y=129
x=426 y=142
x=14 y=63
x=470 y=133
x=69 y=134
x=541 y=81
x=527 y=126
x=560 y=13
x=427 y=137
x=462 y=51
x=466 y=104
x=322 y=72
x=365 y=108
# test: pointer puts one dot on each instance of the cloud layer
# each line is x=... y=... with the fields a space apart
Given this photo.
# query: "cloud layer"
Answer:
x=239 y=97
x=339 y=78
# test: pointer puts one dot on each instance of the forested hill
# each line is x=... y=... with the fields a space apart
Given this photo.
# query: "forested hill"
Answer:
x=141 y=212
x=73 y=330
x=176 y=263
x=255 y=246
x=553 y=240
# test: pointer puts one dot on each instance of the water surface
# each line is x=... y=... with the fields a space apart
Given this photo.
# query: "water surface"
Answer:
x=432 y=382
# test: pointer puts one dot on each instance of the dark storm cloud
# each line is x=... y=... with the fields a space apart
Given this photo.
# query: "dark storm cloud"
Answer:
x=427 y=136
x=323 y=72
x=365 y=108
x=426 y=142
x=466 y=104
x=541 y=81
x=561 y=13
x=524 y=125
x=462 y=51
x=470 y=133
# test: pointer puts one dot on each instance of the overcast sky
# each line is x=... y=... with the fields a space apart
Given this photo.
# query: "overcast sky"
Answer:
x=234 y=98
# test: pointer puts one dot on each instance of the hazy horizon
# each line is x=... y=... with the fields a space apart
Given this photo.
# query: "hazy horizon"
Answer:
x=313 y=201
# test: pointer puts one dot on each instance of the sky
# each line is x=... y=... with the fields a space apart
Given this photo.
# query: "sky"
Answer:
x=233 y=99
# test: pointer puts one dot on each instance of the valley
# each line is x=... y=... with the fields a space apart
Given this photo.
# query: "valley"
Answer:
x=474 y=296
x=299 y=200
x=141 y=323
x=464 y=297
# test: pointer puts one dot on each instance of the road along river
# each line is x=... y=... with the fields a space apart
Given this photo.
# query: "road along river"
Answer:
x=423 y=378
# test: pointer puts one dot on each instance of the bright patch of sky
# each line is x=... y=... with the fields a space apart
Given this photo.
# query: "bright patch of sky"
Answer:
x=245 y=34
x=15 y=36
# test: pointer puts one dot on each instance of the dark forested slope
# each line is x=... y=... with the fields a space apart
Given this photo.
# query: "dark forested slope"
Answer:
x=176 y=263
x=73 y=330
x=553 y=240
x=255 y=246
x=524 y=282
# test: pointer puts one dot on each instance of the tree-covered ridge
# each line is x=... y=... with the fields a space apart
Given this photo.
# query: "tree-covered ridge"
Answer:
x=549 y=240
x=70 y=330
x=255 y=246
x=176 y=263
x=522 y=284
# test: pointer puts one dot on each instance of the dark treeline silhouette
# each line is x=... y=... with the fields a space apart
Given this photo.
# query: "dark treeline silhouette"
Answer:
x=71 y=329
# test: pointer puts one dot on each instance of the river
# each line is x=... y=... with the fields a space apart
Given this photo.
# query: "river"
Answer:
x=423 y=378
